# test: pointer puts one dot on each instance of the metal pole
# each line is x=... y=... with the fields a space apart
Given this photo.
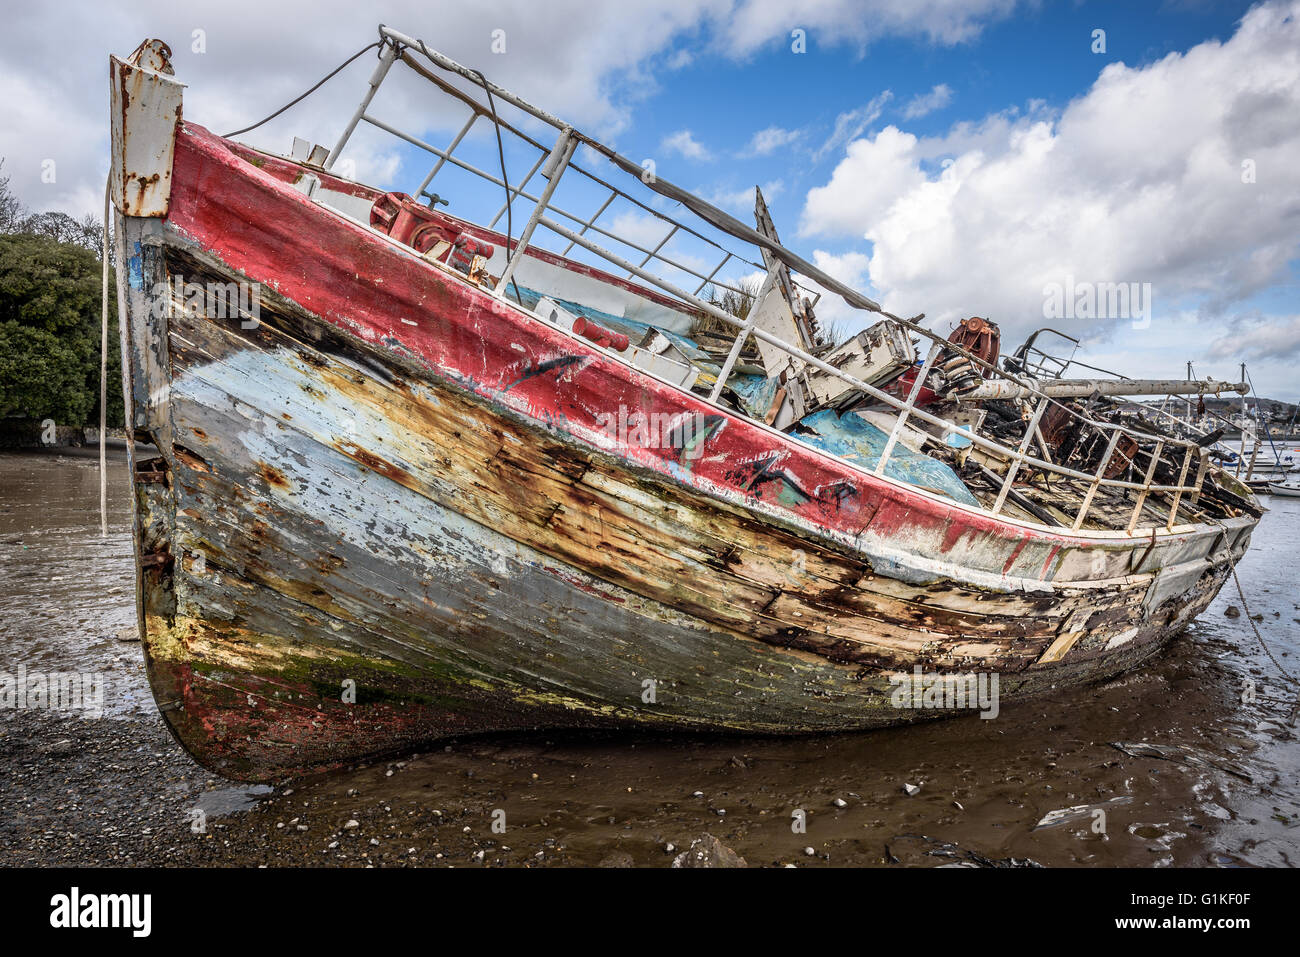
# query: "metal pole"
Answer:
x=450 y=149
x=1082 y=388
x=613 y=195
x=1178 y=495
x=519 y=191
x=1201 y=469
x=563 y=149
x=651 y=254
x=376 y=78
x=725 y=259
x=103 y=374
x=907 y=409
x=1146 y=482
x=741 y=335
x=513 y=191
x=1096 y=483
x=1030 y=432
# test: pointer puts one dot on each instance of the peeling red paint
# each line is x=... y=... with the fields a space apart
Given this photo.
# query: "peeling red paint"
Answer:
x=1011 y=559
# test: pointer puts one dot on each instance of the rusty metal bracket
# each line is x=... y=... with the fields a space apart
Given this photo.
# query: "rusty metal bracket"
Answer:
x=145 y=104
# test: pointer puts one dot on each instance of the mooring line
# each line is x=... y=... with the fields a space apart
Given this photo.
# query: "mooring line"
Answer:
x=298 y=100
x=1263 y=644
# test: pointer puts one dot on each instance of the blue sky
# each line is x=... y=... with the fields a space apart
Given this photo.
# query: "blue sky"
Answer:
x=1042 y=54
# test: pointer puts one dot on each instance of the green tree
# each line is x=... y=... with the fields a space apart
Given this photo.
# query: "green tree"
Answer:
x=50 y=333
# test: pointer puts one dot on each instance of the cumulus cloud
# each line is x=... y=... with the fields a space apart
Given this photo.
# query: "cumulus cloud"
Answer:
x=771 y=139
x=850 y=268
x=874 y=174
x=1180 y=173
x=684 y=143
x=679 y=59
x=924 y=104
x=1268 y=338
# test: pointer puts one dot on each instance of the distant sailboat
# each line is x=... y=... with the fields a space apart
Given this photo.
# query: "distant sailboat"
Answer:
x=1286 y=490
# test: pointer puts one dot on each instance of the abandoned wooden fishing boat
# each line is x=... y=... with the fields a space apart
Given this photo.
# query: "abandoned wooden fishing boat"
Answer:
x=415 y=478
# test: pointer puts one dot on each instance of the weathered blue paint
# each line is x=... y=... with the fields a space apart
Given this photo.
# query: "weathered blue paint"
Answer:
x=852 y=437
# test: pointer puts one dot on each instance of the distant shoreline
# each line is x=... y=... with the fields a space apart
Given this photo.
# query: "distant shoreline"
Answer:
x=114 y=447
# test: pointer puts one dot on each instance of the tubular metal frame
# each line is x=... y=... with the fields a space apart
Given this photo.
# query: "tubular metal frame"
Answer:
x=561 y=161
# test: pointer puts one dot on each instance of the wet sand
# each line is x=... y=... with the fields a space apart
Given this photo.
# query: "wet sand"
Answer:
x=1209 y=780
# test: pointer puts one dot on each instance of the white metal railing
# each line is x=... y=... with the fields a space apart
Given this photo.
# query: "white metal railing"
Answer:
x=558 y=159
x=1249 y=464
x=398 y=48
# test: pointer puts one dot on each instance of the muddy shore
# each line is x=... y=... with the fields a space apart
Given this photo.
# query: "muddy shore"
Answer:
x=1203 y=777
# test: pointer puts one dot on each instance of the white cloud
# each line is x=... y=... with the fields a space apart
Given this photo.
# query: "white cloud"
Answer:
x=741 y=201
x=771 y=139
x=873 y=175
x=988 y=135
x=684 y=143
x=925 y=103
x=757 y=23
x=680 y=59
x=851 y=124
x=639 y=227
x=1138 y=180
x=1268 y=338
x=832 y=311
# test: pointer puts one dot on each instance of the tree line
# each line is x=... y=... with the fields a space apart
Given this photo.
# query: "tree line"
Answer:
x=50 y=279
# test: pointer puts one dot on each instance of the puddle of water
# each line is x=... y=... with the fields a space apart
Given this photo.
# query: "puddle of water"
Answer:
x=222 y=801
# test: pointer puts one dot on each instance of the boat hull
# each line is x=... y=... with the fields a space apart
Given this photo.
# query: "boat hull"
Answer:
x=360 y=536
